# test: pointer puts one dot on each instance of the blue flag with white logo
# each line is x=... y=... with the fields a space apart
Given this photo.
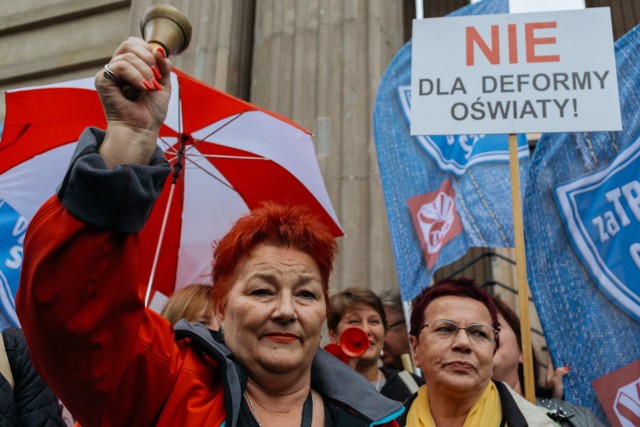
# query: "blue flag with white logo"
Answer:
x=443 y=194
x=13 y=227
x=6 y=287
x=3 y=321
x=582 y=232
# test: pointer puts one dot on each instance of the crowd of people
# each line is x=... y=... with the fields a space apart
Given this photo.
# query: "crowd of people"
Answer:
x=248 y=350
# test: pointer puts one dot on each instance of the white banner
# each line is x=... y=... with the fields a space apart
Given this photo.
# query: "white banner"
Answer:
x=514 y=73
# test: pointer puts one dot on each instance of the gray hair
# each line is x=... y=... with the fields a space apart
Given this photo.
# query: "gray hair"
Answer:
x=391 y=298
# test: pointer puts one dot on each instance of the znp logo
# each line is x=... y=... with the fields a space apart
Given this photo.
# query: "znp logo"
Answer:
x=436 y=220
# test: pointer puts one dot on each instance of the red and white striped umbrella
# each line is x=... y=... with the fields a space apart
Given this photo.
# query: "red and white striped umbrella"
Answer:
x=233 y=154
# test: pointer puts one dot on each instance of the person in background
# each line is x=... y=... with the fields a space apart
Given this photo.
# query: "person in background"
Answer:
x=362 y=308
x=554 y=377
x=115 y=362
x=396 y=339
x=508 y=368
x=454 y=336
x=192 y=303
x=25 y=399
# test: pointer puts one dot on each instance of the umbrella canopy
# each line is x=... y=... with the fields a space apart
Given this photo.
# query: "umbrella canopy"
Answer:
x=228 y=157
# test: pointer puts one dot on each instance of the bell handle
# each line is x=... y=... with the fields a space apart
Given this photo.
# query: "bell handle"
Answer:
x=163 y=27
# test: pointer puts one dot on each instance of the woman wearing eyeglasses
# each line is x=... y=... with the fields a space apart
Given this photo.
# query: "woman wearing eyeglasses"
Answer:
x=454 y=335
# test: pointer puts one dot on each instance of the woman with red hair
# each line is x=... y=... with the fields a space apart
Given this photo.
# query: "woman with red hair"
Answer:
x=114 y=362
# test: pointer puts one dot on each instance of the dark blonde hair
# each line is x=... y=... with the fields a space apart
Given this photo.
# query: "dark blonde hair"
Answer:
x=349 y=299
x=188 y=303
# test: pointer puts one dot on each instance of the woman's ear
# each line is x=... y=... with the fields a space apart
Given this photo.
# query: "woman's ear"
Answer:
x=334 y=338
x=217 y=321
x=219 y=315
x=415 y=349
x=219 y=309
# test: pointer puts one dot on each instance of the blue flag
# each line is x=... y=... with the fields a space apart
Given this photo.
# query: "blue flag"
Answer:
x=582 y=230
x=13 y=227
x=443 y=194
x=3 y=321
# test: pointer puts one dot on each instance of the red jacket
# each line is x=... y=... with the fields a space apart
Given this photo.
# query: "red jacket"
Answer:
x=110 y=360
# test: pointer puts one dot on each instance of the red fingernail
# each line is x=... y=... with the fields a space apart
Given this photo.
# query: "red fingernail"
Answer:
x=568 y=368
x=157 y=85
x=148 y=85
x=156 y=72
x=162 y=52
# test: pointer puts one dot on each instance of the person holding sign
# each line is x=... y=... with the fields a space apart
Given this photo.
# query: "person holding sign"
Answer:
x=454 y=335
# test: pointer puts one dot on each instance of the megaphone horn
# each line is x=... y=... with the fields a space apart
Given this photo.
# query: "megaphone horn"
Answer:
x=354 y=342
x=335 y=350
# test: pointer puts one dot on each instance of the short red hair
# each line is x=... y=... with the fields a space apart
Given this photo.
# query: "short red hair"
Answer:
x=276 y=225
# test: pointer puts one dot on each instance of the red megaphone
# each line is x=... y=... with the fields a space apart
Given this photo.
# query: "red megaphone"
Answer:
x=354 y=342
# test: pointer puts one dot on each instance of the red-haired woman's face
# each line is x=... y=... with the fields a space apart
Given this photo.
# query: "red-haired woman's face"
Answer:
x=274 y=311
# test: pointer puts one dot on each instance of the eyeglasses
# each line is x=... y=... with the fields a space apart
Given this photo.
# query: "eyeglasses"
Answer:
x=479 y=333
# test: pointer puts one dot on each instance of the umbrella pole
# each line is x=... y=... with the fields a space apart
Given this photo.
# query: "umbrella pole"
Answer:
x=156 y=257
x=177 y=168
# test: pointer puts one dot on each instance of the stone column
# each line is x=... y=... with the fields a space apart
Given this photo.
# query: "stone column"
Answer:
x=319 y=62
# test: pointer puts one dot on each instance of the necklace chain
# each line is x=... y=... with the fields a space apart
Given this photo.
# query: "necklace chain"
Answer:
x=379 y=378
x=255 y=413
x=253 y=410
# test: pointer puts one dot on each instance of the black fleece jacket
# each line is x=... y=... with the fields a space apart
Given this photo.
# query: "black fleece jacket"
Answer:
x=30 y=403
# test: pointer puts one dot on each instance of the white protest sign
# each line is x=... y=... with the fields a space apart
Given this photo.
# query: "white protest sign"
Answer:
x=514 y=73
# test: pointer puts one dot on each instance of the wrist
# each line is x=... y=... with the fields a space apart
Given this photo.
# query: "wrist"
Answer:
x=127 y=145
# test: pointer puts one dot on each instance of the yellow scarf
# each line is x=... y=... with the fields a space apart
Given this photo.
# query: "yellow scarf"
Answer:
x=486 y=412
